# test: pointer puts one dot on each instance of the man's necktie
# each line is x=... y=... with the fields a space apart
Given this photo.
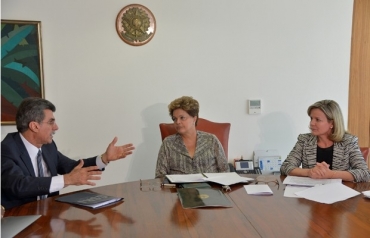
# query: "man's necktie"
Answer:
x=41 y=170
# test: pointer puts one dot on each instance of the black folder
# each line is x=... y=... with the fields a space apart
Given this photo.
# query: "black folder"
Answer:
x=89 y=199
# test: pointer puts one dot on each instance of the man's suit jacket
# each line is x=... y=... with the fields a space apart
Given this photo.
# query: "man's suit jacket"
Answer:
x=19 y=184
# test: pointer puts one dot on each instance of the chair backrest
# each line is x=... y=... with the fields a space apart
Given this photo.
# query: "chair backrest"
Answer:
x=365 y=152
x=220 y=130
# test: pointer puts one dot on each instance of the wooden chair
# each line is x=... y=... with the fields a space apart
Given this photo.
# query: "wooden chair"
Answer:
x=365 y=152
x=220 y=130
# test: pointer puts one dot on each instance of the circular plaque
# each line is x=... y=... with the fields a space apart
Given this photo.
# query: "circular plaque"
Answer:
x=135 y=24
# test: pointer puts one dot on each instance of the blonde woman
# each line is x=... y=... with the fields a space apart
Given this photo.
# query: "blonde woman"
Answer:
x=328 y=151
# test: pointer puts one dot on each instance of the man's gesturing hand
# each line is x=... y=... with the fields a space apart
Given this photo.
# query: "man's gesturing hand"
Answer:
x=114 y=152
x=82 y=176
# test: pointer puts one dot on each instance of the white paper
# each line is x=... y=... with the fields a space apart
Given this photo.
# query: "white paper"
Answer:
x=309 y=182
x=258 y=189
x=366 y=193
x=328 y=193
x=291 y=190
x=226 y=178
x=185 y=178
x=220 y=178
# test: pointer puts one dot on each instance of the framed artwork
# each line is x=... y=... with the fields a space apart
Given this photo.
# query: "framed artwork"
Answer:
x=135 y=24
x=21 y=65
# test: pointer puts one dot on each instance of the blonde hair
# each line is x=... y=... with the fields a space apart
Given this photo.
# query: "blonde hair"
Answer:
x=333 y=113
x=186 y=103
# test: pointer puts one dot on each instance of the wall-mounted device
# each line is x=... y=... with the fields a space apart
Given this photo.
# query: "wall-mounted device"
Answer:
x=254 y=106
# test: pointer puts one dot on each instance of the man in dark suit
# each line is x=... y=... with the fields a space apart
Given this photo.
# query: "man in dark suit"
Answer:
x=32 y=167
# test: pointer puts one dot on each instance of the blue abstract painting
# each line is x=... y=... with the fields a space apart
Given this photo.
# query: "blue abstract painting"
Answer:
x=21 y=65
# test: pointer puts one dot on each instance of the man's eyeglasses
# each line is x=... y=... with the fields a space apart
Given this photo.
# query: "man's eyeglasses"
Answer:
x=267 y=179
x=51 y=122
x=150 y=185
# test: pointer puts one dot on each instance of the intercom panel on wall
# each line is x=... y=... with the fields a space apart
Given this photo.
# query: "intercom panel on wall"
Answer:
x=254 y=106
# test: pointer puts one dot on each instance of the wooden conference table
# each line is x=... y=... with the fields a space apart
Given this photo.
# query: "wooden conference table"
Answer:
x=158 y=213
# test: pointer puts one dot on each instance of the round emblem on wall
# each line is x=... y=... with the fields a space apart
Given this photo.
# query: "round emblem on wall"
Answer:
x=135 y=24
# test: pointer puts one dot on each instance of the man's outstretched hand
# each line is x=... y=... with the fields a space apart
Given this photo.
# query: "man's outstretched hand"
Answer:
x=116 y=152
x=82 y=176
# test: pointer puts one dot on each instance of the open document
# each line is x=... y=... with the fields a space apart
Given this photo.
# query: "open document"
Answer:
x=185 y=178
x=220 y=178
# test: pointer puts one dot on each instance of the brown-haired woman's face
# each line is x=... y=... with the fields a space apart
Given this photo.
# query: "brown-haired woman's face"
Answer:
x=183 y=121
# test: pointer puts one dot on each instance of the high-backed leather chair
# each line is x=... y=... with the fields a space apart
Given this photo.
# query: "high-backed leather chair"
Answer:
x=365 y=152
x=220 y=130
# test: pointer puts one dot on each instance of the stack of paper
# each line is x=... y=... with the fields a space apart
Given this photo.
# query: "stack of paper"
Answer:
x=258 y=189
x=309 y=182
x=320 y=190
x=296 y=184
x=329 y=193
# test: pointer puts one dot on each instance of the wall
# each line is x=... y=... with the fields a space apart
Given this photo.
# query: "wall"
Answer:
x=287 y=53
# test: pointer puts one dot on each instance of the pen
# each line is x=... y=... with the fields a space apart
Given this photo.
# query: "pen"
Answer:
x=169 y=185
x=166 y=183
x=204 y=175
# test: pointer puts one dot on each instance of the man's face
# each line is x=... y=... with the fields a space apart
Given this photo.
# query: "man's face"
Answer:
x=47 y=128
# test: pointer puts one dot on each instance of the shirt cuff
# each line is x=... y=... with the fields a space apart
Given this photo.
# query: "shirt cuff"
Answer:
x=99 y=162
x=57 y=183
